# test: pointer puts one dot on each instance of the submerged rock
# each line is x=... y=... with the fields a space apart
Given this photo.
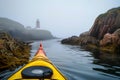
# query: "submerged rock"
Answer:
x=13 y=53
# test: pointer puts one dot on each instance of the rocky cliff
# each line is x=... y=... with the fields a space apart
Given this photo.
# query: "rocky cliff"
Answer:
x=13 y=53
x=104 y=34
x=108 y=22
x=18 y=31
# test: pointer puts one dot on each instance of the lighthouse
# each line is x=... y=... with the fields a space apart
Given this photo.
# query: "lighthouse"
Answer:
x=37 y=24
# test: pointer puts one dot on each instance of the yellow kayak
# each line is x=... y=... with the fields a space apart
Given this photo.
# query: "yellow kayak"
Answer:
x=39 y=68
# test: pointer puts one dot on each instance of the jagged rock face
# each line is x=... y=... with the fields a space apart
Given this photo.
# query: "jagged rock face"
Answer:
x=12 y=52
x=108 y=39
x=106 y=23
x=111 y=38
x=85 y=39
x=117 y=33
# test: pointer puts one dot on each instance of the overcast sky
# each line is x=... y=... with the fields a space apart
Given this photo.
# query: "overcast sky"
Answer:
x=63 y=18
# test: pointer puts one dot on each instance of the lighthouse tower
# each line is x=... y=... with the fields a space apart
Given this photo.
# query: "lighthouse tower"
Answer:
x=37 y=24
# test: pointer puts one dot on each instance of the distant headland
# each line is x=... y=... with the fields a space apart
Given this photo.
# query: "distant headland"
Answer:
x=13 y=51
x=18 y=30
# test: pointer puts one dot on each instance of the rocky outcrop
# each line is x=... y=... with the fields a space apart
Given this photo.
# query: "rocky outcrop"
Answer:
x=13 y=53
x=108 y=22
x=110 y=39
x=74 y=40
x=117 y=34
x=85 y=39
x=103 y=36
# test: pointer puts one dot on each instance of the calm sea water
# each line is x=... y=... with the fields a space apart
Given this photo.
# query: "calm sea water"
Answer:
x=73 y=62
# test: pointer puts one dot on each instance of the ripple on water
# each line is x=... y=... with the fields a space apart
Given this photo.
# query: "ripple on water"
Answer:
x=73 y=62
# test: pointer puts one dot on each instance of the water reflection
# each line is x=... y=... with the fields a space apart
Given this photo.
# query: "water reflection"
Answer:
x=76 y=63
x=110 y=63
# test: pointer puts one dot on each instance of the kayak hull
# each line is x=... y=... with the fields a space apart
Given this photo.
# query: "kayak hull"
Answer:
x=39 y=59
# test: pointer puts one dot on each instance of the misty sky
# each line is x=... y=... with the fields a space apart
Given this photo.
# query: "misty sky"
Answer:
x=63 y=18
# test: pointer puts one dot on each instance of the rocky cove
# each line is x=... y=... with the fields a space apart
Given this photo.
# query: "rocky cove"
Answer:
x=14 y=43
x=103 y=37
x=13 y=53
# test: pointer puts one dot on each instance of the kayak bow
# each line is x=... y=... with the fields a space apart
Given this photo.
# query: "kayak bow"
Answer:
x=39 y=68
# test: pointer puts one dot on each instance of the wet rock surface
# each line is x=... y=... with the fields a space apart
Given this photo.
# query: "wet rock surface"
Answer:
x=13 y=53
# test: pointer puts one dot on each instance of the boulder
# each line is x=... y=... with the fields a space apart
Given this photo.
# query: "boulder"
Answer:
x=111 y=38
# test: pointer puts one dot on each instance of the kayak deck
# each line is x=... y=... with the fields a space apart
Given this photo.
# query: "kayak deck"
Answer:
x=39 y=60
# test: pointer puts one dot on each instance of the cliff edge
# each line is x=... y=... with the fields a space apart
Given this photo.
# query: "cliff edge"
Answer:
x=103 y=36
